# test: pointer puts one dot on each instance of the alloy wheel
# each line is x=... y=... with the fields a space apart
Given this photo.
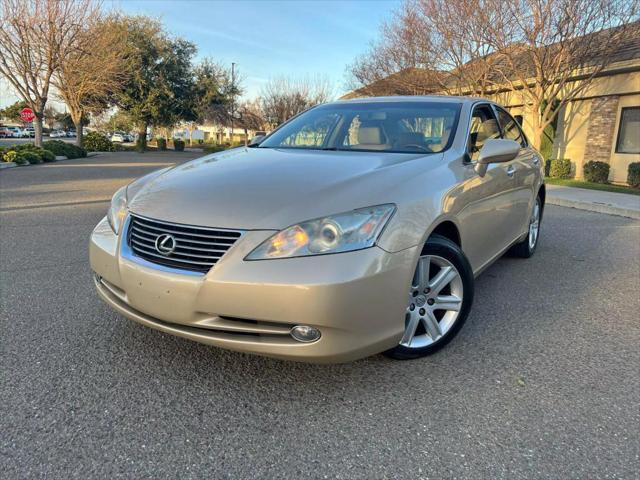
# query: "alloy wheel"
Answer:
x=534 y=225
x=435 y=300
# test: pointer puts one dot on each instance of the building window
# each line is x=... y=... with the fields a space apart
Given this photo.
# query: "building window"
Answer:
x=629 y=131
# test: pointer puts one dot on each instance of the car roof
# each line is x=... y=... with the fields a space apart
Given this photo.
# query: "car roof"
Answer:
x=414 y=98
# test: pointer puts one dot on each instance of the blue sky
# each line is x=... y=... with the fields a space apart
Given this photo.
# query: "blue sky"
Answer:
x=268 y=38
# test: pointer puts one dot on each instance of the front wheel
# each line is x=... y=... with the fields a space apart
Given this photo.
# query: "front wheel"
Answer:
x=439 y=300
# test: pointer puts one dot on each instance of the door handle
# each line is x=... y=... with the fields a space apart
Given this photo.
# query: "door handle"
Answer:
x=511 y=170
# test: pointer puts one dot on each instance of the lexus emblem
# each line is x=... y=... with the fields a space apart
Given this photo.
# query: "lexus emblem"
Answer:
x=165 y=244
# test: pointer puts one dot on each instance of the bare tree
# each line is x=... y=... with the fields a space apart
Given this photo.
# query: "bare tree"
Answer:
x=282 y=97
x=93 y=70
x=250 y=117
x=35 y=36
x=545 y=52
x=551 y=51
x=429 y=46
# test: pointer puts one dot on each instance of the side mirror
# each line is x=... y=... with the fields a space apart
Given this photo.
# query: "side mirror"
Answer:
x=257 y=140
x=496 y=150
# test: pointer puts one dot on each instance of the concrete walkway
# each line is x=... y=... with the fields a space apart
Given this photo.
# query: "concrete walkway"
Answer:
x=621 y=204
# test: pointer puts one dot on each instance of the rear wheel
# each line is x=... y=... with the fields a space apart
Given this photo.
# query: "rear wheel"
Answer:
x=439 y=300
x=527 y=247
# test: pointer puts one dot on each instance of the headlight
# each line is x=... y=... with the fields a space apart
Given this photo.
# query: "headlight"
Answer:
x=343 y=232
x=118 y=209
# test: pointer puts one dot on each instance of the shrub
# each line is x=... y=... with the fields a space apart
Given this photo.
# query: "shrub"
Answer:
x=162 y=143
x=560 y=168
x=58 y=147
x=178 y=145
x=47 y=156
x=633 y=175
x=10 y=156
x=596 y=172
x=21 y=159
x=213 y=148
x=30 y=156
x=95 y=142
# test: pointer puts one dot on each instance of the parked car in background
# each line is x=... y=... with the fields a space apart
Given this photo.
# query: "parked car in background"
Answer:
x=57 y=134
x=355 y=228
x=71 y=133
x=29 y=132
x=117 y=138
x=5 y=132
x=16 y=132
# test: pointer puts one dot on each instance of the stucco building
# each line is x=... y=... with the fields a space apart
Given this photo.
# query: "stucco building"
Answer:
x=602 y=123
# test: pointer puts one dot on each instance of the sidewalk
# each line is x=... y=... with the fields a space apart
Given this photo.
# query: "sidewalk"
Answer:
x=595 y=201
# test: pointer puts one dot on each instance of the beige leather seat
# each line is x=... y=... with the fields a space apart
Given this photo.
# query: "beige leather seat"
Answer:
x=486 y=130
x=437 y=147
x=372 y=138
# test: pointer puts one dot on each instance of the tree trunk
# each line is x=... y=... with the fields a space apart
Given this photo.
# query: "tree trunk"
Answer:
x=536 y=136
x=79 y=136
x=37 y=125
x=76 y=118
x=141 y=142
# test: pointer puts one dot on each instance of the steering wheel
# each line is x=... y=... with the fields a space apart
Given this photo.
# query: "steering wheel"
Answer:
x=419 y=147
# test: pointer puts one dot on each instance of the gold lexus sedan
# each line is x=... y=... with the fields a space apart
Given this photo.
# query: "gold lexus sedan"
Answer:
x=357 y=227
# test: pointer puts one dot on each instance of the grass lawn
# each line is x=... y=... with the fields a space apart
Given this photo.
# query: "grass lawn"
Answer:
x=592 y=186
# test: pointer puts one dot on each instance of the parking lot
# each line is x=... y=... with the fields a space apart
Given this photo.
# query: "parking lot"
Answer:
x=542 y=382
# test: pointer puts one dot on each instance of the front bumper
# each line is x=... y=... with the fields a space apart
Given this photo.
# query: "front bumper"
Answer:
x=355 y=299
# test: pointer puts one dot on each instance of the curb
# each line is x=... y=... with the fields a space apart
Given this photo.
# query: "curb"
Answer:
x=7 y=165
x=594 y=207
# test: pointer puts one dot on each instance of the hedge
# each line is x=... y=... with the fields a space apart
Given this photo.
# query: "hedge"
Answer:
x=26 y=153
x=560 y=168
x=162 y=143
x=633 y=175
x=95 y=142
x=596 y=172
x=58 y=147
x=178 y=145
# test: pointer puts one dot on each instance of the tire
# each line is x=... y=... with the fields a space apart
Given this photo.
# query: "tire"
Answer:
x=435 y=326
x=527 y=247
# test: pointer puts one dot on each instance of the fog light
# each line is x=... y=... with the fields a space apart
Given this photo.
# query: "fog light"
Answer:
x=304 y=333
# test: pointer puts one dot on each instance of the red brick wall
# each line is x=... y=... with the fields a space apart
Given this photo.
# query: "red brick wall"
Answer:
x=602 y=123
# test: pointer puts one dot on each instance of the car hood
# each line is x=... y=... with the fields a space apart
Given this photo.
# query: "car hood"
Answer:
x=270 y=189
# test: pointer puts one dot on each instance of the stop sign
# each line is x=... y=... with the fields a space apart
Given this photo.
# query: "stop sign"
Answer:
x=27 y=115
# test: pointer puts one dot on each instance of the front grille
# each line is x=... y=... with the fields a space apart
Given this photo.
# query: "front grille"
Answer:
x=196 y=249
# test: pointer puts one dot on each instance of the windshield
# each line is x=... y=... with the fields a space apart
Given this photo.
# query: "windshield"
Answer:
x=403 y=127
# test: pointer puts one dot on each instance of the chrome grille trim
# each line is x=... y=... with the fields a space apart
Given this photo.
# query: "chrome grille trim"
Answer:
x=197 y=249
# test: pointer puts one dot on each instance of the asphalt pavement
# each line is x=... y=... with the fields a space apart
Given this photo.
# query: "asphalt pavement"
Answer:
x=542 y=382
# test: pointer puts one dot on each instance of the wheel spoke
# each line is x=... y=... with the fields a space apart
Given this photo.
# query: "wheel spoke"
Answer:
x=421 y=279
x=447 y=302
x=442 y=279
x=432 y=326
x=410 y=331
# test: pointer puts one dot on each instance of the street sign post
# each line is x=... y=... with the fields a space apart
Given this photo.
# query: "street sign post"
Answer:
x=27 y=115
